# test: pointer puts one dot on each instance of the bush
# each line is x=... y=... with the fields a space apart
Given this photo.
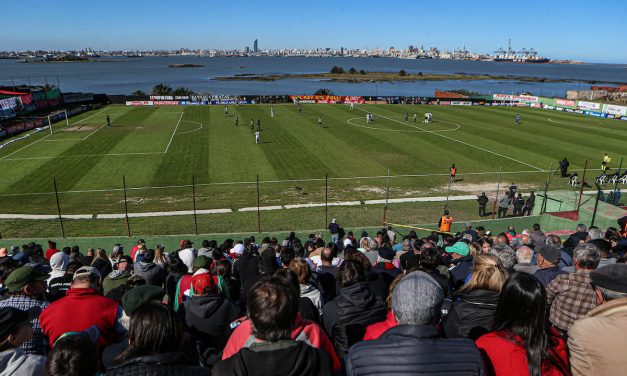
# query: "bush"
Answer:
x=361 y=71
x=352 y=71
x=324 y=91
x=337 y=70
x=420 y=73
x=402 y=73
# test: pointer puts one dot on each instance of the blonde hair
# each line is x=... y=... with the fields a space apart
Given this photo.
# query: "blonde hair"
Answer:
x=364 y=243
x=474 y=249
x=488 y=273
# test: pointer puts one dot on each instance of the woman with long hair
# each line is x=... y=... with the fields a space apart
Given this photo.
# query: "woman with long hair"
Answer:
x=486 y=244
x=472 y=313
x=522 y=341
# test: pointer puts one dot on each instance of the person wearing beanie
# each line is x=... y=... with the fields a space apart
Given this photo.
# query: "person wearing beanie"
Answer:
x=415 y=346
x=15 y=329
x=58 y=263
x=596 y=342
x=385 y=265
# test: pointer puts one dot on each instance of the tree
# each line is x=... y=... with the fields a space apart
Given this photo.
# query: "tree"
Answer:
x=324 y=91
x=139 y=93
x=402 y=73
x=361 y=71
x=162 y=89
x=337 y=70
x=183 y=91
x=352 y=71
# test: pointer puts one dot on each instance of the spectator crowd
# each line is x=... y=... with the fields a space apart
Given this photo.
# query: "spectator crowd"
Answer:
x=385 y=303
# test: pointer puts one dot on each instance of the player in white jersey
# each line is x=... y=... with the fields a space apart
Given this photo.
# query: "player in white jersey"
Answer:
x=257 y=137
x=271 y=111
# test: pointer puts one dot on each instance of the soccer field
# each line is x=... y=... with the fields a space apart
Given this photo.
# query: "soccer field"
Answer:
x=159 y=150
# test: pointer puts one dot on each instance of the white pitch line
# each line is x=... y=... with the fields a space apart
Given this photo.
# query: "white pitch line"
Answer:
x=461 y=142
x=24 y=147
x=584 y=126
x=173 y=133
x=193 y=130
x=65 y=139
x=89 y=135
x=399 y=130
x=90 y=116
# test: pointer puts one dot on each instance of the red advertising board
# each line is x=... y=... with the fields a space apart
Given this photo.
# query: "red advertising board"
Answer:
x=165 y=103
x=325 y=99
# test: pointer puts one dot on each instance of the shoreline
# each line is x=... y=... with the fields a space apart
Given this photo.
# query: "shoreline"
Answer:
x=396 y=77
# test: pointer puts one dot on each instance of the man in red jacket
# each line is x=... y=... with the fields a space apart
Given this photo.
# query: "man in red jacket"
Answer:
x=82 y=307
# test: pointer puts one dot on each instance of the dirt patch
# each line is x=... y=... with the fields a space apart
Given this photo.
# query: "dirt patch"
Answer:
x=472 y=188
x=82 y=128
x=376 y=190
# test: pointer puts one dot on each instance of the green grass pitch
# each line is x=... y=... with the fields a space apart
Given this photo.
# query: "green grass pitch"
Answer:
x=159 y=149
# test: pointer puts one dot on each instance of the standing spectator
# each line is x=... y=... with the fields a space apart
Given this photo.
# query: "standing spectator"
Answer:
x=152 y=273
x=474 y=304
x=187 y=254
x=82 y=307
x=522 y=342
x=445 y=223
x=205 y=249
x=154 y=349
x=524 y=258
x=483 y=202
x=503 y=206
x=273 y=308
x=597 y=341
x=414 y=346
x=246 y=267
x=547 y=259
x=570 y=295
x=74 y=354
x=347 y=316
x=529 y=204
x=15 y=329
x=518 y=203
x=26 y=289
x=334 y=229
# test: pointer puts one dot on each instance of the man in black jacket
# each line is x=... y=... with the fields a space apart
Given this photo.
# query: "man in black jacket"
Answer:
x=347 y=316
x=272 y=308
x=414 y=346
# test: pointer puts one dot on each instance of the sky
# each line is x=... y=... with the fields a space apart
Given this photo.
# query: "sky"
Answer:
x=592 y=31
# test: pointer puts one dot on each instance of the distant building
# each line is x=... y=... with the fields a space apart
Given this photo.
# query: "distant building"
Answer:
x=256 y=46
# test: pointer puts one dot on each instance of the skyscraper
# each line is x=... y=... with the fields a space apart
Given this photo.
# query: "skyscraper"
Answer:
x=255 y=47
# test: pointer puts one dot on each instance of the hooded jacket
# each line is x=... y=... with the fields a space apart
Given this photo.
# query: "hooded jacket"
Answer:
x=58 y=263
x=472 y=314
x=309 y=291
x=170 y=364
x=347 y=316
x=16 y=362
x=152 y=273
x=114 y=279
x=207 y=318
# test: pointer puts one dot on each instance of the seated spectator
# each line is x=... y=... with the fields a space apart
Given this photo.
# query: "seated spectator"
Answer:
x=472 y=313
x=429 y=261
x=597 y=341
x=273 y=309
x=118 y=293
x=57 y=287
x=206 y=316
x=184 y=289
x=58 y=264
x=565 y=258
x=186 y=254
x=84 y=306
x=486 y=245
x=547 y=259
x=116 y=253
x=161 y=257
x=347 y=316
x=462 y=261
x=15 y=329
x=578 y=237
x=26 y=287
x=307 y=289
x=570 y=295
x=229 y=287
x=52 y=249
x=152 y=273
x=414 y=346
x=326 y=274
x=385 y=265
x=537 y=236
x=90 y=254
x=7 y=266
x=154 y=349
x=103 y=266
x=524 y=257
x=374 y=331
x=75 y=254
x=75 y=354
x=506 y=254
x=522 y=342
x=120 y=274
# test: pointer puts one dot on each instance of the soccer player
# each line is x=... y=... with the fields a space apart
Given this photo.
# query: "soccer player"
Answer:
x=605 y=163
x=352 y=106
x=108 y=121
x=518 y=119
x=271 y=111
x=430 y=117
x=415 y=118
x=226 y=111
x=320 y=121
x=406 y=117
x=258 y=125
x=252 y=125
x=300 y=109
x=237 y=120
x=257 y=137
x=426 y=117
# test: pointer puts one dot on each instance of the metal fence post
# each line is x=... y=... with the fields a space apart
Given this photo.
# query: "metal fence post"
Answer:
x=620 y=167
x=326 y=200
x=128 y=225
x=596 y=205
x=56 y=193
x=387 y=199
x=498 y=188
x=258 y=208
x=583 y=183
x=194 y=203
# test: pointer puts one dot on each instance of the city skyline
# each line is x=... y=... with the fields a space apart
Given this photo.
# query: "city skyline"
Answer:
x=566 y=30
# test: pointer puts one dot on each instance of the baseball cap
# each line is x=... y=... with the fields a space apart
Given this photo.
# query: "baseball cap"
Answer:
x=117 y=249
x=22 y=276
x=460 y=248
x=87 y=270
x=139 y=295
x=183 y=242
x=551 y=254
x=387 y=253
x=93 y=333
x=612 y=277
x=201 y=281
x=124 y=258
x=11 y=318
